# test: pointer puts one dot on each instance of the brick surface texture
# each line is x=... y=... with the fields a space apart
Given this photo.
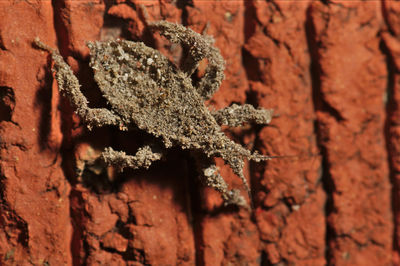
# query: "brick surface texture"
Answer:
x=329 y=69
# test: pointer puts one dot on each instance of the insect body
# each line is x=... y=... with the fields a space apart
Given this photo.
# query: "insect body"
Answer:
x=146 y=91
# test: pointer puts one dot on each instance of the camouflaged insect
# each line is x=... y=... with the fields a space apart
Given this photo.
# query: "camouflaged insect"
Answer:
x=146 y=91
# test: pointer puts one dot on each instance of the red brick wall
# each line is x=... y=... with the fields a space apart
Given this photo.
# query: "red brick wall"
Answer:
x=329 y=69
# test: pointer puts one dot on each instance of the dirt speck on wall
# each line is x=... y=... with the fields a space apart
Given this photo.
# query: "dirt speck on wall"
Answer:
x=329 y=69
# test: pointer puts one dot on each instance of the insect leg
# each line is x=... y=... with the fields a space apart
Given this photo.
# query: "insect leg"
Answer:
x=235 y=115
x=69 y=86
x=210 y=176
x=142 y=159
x=198 y=47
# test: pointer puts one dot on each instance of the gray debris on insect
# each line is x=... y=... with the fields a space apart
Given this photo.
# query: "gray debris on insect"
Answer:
x=146 y=91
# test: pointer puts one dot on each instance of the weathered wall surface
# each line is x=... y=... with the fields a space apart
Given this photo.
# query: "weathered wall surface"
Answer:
x=329 y=69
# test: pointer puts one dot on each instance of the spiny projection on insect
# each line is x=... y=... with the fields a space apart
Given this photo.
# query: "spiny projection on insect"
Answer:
x=147 y=91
